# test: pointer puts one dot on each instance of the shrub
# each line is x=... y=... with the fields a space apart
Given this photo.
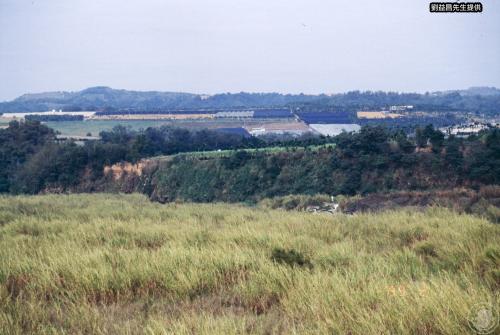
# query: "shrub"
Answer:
x=489 y=191
x=295 y=202
x=410 y=236
x=484 y=209
x=490 y=265
x=426 y=249
x=291 y=257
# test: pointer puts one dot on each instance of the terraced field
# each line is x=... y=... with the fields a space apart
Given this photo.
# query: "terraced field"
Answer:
x=228 y=153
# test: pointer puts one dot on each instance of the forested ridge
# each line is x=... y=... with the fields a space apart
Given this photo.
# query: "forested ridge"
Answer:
x=373 y=160
x=32 y=159
x=483 y=101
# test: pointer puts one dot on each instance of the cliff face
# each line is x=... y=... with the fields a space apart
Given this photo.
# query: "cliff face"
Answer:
x=122 y=170
x=459 y=199
x=219 y=180
x=248 y=177
x=129 y=177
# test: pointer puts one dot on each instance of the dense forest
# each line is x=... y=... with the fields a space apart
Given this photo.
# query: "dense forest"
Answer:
x=375 y=159
x=32 y=159
x=436 y=102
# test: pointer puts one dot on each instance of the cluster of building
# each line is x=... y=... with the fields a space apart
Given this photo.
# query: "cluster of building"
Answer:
x=235 y=114
x=467 y=129
x=402 y=108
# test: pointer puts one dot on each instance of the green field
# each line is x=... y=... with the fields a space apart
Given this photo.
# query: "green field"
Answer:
x=114 y=264
x=228 y=153
x=81 y=128
x=3 y=122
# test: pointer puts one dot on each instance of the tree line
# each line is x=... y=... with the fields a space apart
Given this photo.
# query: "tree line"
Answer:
x=31 y=158
x=374 y=159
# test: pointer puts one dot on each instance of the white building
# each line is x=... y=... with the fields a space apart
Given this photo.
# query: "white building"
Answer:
x=334 y=129
x=464 y=130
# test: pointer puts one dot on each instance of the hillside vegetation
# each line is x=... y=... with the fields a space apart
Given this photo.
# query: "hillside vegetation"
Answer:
x=207 y=166
x=114 y=264
x=479 y=100
x=373 y=160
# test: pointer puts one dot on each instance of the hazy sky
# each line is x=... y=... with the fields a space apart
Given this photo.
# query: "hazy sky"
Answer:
x=210 y=46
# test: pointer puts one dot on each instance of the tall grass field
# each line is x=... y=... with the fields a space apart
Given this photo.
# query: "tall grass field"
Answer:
x=116 y=264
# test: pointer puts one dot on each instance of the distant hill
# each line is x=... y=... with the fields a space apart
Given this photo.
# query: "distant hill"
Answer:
x=483 y=91
x=481 y=100
x=104 y=97
x=97 y=98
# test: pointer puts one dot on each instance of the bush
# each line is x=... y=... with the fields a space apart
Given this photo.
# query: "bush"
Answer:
x=489 y=264
x=484 y=209
x=489 y=191
x=426 y=249
x=291 y=257
x=410 y=236
x=295 y=202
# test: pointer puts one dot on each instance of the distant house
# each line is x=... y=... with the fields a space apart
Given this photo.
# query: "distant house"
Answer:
x=465 y=130
x=279 y=128
x=400 y=108
x=235 y=114
x=257 y=131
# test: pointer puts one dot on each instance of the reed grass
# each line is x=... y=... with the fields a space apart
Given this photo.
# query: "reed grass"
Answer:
x=119 y=264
